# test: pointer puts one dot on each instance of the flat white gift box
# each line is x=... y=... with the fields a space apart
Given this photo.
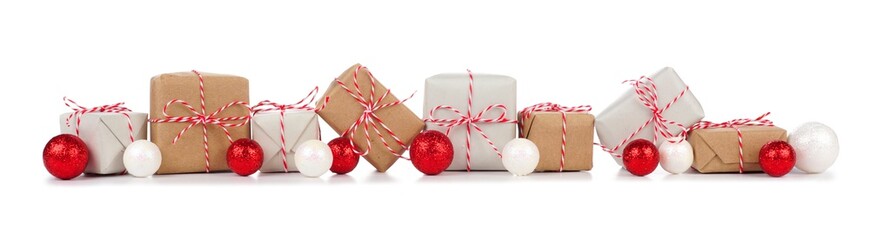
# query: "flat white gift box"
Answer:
x=626 y=114
x=107 y=136
x=452 y=90
x=299 y=126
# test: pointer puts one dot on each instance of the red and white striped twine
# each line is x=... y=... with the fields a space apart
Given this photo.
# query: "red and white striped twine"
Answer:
x=736 y=124
x=470 y=121
x=552 y=107
x=369 y=117
x=646 y=91
x=269 y=106
x=78 y=111
x=201 y=118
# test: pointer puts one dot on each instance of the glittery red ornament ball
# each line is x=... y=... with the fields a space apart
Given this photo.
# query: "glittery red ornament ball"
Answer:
x=65 y=156
x=245 y=156
x=344 y=159
x=640 y=157
x=776 y=158
x=431 y=152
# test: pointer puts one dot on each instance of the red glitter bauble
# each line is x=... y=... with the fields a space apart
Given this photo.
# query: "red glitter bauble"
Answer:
x=245 y=156
x=65 y=156
x=431 y=152
x=776 y=158
x=344 y=159
x=640 y=157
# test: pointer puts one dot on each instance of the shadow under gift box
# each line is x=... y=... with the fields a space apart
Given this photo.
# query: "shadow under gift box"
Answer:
x=451 y=89
x=625 y=115
x=107 y=136
x=717 y=150
x=299 y=126
x=545 y=130
x=343 y=110
x=188 y=154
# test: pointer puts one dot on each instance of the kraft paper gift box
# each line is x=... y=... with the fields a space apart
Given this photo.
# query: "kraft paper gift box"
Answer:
x=625 y=115
x=489 y=89
x=187 y=155
x=545 y=130
x=343 y=110
x=717 y=150
x=299 y=126
x=107 y=136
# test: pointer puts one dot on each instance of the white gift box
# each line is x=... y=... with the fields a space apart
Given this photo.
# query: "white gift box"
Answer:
x=625 y=115
x=107 y=136
x=299 y=126
x=489 y=89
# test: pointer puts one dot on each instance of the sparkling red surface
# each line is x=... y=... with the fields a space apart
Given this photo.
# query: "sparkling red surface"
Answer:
x=640 y=157
x=65 y=156
x=431 y=152
x=245 y=156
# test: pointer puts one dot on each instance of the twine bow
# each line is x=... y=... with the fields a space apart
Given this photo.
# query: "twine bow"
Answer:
x=204 y=119
x=735 y=124
x=369 y=118
x=552 y=107
x=646 y=91
x=470 y=121
x=269 y=106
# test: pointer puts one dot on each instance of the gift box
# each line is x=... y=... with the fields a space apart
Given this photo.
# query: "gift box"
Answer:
x=630 y=118
x=717 y=150
x=351 y=101
x=107 y=136
x=493 y=107
x=545 y=129
x=299 y=126
x=177 y=119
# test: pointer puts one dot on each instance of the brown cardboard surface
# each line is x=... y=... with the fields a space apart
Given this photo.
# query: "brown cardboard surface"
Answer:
x=187 y=155
x=343 y=110
x=717 y=150
x=545 y=130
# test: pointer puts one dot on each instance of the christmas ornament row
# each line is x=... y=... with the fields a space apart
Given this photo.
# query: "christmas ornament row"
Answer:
x=202 y=122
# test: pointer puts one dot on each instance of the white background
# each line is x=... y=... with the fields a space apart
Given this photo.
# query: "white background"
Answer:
x=802 y=61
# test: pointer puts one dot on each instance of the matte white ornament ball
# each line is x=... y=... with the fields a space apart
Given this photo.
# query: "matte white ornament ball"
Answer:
x=520 y=156
x=676 y=157
x=816 y=147
x=313 y=158
x=142 y=158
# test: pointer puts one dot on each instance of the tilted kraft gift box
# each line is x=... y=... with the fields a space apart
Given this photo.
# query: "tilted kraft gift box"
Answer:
x=627 y=114
x=545 y=130
x=717 y=150
x=452 y=89
x=344 y=110
x=107 y=136
x=299 y=126
x=187 y=155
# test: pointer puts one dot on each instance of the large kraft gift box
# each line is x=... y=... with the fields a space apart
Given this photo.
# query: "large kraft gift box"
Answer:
x=717 y=150
x=451 y=89
x=545 y=130
x=188 y=154
x=107 y=136
x=627 y=113
x=299 y=126
x=343 y=110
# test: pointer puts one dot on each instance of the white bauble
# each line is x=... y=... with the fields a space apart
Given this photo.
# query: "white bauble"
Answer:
x=676 y=157
x=520 y=156
x=816 y=147
x=142 y=158
x=313 y=158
